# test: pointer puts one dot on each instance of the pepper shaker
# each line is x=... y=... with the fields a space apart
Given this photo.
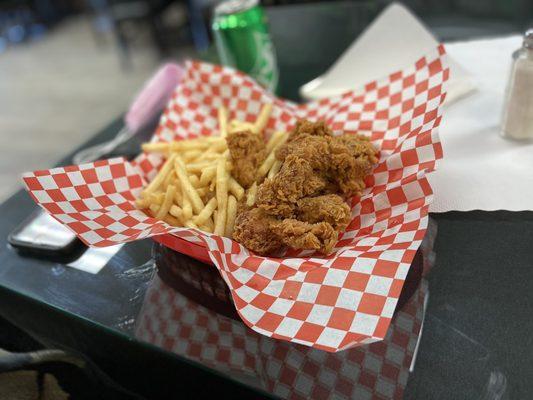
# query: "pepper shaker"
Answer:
x=517 y=121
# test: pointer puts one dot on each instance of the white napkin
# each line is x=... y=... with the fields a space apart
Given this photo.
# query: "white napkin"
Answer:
x=480 y=169
x=394 y=40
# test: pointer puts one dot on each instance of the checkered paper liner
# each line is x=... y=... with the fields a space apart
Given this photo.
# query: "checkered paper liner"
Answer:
x=332 y=303
x=378 y=371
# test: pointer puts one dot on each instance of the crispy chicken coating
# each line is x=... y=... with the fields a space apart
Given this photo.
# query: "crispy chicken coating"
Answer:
x=303 y=205
x=303 y=235
x=247 y=151
x=329 y=208
x=352 y=159
x=266 y=235
x=295 y=180
x=253 y=230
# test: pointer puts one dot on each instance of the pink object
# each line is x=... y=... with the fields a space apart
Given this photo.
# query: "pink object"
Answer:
x=331 y=303
x=153 y=96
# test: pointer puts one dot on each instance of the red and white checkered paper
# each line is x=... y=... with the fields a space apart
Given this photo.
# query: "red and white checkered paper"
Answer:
x=380 y=370
x=332 y=303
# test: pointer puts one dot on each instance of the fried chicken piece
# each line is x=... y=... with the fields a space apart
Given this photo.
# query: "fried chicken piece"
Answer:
x=303 y=206
x=308 y=140
x=314 y=149
x=295 y=180
x=352 y=158
x=303 y=235
x=329 y=208
x=247 y=151
x=253 y=230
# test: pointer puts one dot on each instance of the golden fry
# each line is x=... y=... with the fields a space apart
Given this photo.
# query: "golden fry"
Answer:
x=187 y=207
x=235 y=188
x=191 y=155
x=262 y=119
x=169 y=219
x=231 y=215
x=176 y=212
x=161 y=175
x=195 y=182
x=188 y=189
x=206 y=213
x=251 y=195
x=167 y=202
x=275 y=169
x=154 y=208
x=222 y=195
x=239 y=126
x=274 y=140
x=208 y=175
x=223 y=121
x=158 y=147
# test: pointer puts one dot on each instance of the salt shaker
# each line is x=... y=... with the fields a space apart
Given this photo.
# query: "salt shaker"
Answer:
x=517 y=122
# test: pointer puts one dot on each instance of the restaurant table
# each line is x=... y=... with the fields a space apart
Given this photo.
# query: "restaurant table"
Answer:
x=476 y=340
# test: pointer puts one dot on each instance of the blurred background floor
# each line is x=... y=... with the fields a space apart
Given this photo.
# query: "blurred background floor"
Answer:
x=58 y=91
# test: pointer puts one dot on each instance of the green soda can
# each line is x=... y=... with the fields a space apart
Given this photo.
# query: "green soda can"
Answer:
x=243 y=42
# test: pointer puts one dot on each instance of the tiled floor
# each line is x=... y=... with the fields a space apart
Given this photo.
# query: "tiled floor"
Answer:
x=56 y=92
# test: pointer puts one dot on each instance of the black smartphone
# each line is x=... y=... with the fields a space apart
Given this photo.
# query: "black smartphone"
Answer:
x=41 y=234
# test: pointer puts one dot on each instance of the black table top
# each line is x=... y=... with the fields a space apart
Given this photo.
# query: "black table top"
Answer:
x=475 y=342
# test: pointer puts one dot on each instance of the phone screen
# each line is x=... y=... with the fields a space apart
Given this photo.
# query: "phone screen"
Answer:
x=43 y=232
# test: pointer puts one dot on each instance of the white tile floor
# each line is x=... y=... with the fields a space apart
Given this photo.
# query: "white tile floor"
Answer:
x=56 y=92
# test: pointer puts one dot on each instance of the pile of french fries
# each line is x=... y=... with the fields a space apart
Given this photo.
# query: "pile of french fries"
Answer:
x=194 y=187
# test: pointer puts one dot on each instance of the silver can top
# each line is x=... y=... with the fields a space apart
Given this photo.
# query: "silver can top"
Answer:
x=528 y=39
x=235 y=6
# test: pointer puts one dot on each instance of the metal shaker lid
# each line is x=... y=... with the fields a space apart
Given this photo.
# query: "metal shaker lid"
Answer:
x=528 y=39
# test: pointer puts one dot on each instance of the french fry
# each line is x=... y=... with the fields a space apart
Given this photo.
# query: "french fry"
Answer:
x=198 y=167
x=262 y=120
x=206 y=213
x=158 y=147
x=208 y=175
x=169 y=219
x=170 y=177
x=235 y=188
x=208 y=155
x=162 y=174
x=222 y=195
x=239 y=126
x=195 y=181
x=141 y=204
x=188 y=189
x=178 y=196
x=176 y=212
x=223 y=121
x=192 y=155
x=275 y=169
x=190 y=224
x=230 y=217
x=187 y=206
x=154 y=208
x=219 y=147
x=251 y=195
x=209 y=224
x=167 y=202
x=202 y=191
x=274 y=140
x=265 y=167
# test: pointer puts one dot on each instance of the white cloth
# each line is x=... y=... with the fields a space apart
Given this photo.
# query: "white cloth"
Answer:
x=395 y=40
x=480 y=169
